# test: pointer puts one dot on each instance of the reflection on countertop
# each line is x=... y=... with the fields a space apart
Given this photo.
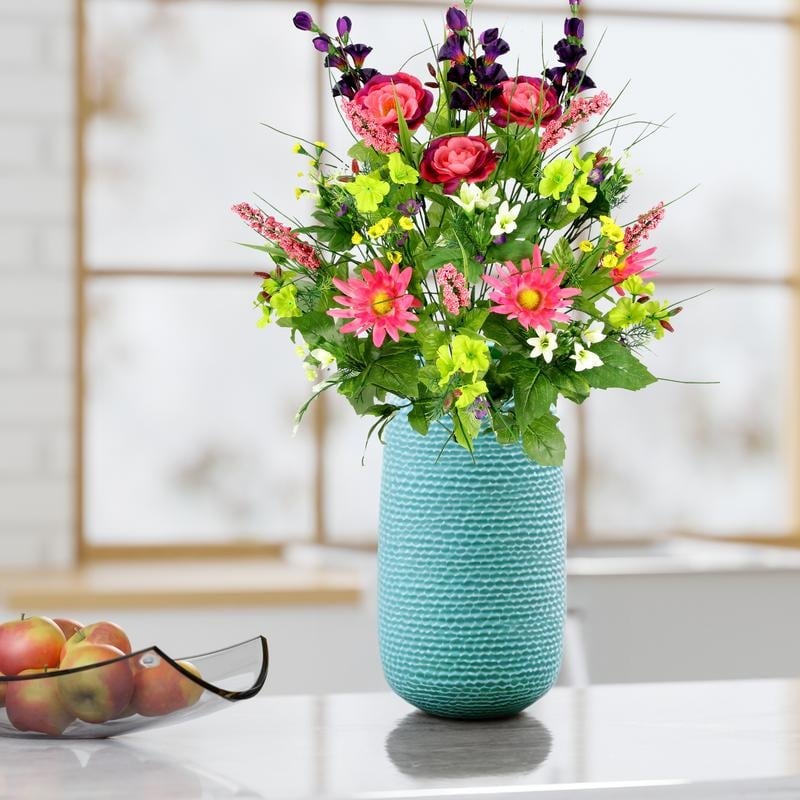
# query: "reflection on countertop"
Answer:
x=709 y=740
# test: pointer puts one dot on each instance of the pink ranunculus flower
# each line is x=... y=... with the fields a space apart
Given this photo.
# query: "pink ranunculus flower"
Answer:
x=381 y=95
x=527 y=101
x=451 y=159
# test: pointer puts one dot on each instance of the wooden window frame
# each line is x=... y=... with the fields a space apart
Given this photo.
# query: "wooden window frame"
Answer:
x=84 y=274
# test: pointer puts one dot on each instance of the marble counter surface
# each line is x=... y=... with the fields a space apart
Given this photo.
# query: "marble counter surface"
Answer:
x=700 y=740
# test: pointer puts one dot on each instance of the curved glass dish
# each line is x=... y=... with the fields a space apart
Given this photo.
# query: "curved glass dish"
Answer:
x=83 y=703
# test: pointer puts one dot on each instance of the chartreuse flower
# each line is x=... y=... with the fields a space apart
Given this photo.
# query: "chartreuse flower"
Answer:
x=636 y=286
x=380 y=228
x=611 y=230
x=400 y=172
x=445 y=364
x=395 y=256
x=583 y=165
x=470 y=392
x=470 y=355
x=368 y=192
x=557 y=177
x=581 y=191
x=284 y=302
x=627 y=313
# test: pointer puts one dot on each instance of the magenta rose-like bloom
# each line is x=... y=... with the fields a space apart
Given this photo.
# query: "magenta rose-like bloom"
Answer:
x=526 y=101
x=382 y=95
x=451 y=159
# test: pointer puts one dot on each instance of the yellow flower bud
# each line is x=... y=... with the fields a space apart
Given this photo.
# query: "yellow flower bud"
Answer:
x=406 y=223
x=610 y=261
x=321 y=145
x=586 y=246
x=395 y=256
x=357 y=238
x=297 y=147
x=620 y=248
x=298 y=192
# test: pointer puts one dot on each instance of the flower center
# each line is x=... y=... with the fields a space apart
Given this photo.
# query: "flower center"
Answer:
x=529 y=299
x=381 y=303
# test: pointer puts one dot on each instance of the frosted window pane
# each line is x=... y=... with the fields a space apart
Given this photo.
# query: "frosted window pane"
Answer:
x=179 y=90
x=709 y=459
x=189 y=417
x=735 y=221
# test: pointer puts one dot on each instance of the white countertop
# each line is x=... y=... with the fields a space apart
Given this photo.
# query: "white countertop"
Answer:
x=699 y=740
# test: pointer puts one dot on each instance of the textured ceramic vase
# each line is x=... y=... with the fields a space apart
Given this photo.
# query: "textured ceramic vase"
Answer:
x=471 y=574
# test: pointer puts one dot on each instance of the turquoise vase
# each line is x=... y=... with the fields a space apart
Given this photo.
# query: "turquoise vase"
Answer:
x=471 y=574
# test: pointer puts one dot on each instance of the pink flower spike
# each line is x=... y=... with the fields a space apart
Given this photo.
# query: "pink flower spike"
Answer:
x=634 y=264
x=455 y=294
x=580 y=109
x=367 y=126
x=530 y=294
x=641 y=229
x=378 y=300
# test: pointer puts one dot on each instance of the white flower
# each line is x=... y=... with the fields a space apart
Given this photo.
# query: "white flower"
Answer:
x=488 y=198
x=468 y=197
x=585 y=359
x=593 y=334
x=324 y=358
x=543 y=344
x=505 y=221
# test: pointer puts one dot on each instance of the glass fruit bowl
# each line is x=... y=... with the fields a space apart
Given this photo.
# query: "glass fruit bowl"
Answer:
x=141 y=690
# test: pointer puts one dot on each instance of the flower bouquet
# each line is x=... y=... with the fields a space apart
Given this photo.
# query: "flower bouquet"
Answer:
x=466 y=264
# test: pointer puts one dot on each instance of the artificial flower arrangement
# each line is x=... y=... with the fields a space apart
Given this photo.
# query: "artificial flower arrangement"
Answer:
x=465 y=263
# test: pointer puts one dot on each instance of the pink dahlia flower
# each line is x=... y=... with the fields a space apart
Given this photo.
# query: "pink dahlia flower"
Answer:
x=634 y=264
x=378 y=300
x=531 y=294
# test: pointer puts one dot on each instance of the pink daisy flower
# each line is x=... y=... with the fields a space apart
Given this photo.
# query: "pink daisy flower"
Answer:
x=378 y=300
x=634 y=264
x=531 y=294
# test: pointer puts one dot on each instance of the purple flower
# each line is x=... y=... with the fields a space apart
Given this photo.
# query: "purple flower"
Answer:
x=453 y=49
x=358 y=52
x=343 y=26
x=479 y=257
x=402 y=239
x=489 y=36
x=456 y=19
x=496 y=48
x=579 y=81
x=569 y=54
x=480 y=408
x=343 y=209
x=501 y=239
x=573 y=27
x=596 y=176
x=321 y=43
x=336 y=61
x=302 y=21
x=346 y=86
x=410 y=207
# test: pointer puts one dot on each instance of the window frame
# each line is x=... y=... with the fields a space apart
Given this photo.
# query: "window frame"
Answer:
x=580 y=536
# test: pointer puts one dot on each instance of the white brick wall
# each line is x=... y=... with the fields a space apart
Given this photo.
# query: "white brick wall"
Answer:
x=36 y=281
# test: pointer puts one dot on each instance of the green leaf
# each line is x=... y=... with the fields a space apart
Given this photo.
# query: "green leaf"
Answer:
x=441 y=255
x=534 y=393
x=513 y=250
x=465 y=428
x=419 y=420
x=430 y=338
x=569 y=383
x=621 y=369
x=393 y=371
x=505 y=428
x=472 y=321
x=500 y=330
x=543 y=442
x=562 y=254
x=562 y=218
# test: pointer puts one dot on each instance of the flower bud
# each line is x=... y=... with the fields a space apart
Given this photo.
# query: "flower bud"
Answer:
x=343 y=26
x=321 y=43
x=302 y=21
x=456 y=19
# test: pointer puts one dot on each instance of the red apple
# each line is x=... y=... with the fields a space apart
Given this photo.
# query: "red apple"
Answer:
x=106 y=633
x=69 y=627
x=35 y=705
x=162 y=689
x=3 y=688
x=99 y=694
x=29 y=643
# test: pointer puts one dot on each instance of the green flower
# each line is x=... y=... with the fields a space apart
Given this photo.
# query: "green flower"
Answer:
x=556 y=179
x=284 y=302
x=636 y=286
x=470 y=355
x=470 y=393
x=626 y=313
x=368 y=191
x=584 y=165
x=400 y=172
x=581 y=191
x=445 y=364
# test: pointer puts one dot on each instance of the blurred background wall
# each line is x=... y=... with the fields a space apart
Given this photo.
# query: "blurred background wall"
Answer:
x=142 y=411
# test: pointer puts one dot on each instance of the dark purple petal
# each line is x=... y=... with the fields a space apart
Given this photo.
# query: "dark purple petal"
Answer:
x=343 y=26
x=303 y=21
x=573 y=27
x=501 y=239
x=495 y=49
x=459 y=74
x=579 y=81
x=335 y=61
x=569 y=54
x=452 y=49
x=358 y=52
x=479 y=257
x=489 y=75
x=402 y=239
x=456 y=19
x=488 y=36
x=321 y=43
x=346 y=87
x=410 y=207
x=366 y=74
